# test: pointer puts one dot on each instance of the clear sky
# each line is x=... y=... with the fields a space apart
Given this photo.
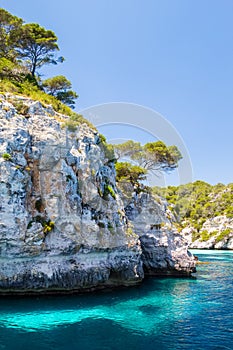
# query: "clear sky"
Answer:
x=174 y=56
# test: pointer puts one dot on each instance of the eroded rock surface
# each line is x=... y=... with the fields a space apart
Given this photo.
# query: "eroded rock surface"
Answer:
x=62 y=222
x=164 y=250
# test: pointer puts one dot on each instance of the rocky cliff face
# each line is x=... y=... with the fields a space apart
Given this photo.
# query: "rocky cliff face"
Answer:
x=62 y=222
x=216 y=233
x=164 y=250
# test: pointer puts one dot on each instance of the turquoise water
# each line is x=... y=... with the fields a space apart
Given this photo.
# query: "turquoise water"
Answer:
x=161 y=314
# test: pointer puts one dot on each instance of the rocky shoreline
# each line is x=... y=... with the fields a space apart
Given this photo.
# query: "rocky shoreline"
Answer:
x=63 y=224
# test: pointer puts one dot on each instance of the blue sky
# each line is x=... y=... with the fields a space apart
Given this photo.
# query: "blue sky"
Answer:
x=173 y=56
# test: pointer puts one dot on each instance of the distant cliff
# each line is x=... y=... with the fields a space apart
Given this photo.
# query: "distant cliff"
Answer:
x=203 y=213
x=216 y=233
x=63 y=226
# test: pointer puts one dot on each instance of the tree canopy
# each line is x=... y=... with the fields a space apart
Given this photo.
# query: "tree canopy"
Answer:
x=24 y=49
x=130 y=173
x=153 y=156
x=196 y=202
x=60 y=87
x=9 y=32
x=37 y=46
x=29 y=43
x=55 y=84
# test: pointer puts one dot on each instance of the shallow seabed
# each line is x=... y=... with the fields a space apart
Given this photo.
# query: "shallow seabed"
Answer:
x=163 y=313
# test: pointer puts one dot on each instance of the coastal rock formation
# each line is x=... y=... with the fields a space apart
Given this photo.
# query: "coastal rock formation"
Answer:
x=203 y=212
x=62 y=223
x=63 y=226
x=216 y=233
x=164 y=250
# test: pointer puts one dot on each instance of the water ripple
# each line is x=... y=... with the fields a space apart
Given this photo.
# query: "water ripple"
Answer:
x=161 y=314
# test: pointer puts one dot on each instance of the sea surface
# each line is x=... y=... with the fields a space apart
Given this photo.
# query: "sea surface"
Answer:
x=162 y=313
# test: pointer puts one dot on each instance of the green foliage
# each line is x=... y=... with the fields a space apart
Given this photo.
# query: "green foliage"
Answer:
x=127 y=149
x=195 y=236
x=130 y=173
x=110 y=225
x=29 y=89
x=7 y=85
x=67 y=97
x=75 y=120
x=204 y=235
x=55 y=84
x=26 y=86
x=108 y=190
x=21 y=107
x=102 y=139
x=48 y=225
x=223 y=234
x=71 y=125
x=28 y=43
x=109 y=152
x=6 y=156
x=24 y=48
x=60 y=87
x=196 y=202
x=9 y=32
x=153 y=156
x=130 y=232
x=156 y=155
x=11 y=70
x=36 y=46
x=229 y=212
x=108 y=149
x=100 y=192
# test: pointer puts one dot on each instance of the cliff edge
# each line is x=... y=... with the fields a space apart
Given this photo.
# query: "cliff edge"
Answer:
x=63 y=226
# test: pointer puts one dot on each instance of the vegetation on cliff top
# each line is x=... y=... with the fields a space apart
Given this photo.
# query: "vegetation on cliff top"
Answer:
x=24 y=49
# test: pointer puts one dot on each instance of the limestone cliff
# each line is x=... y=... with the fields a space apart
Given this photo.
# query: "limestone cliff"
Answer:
x=203 y=212
x=215 y=233
x=62 y=222
x=164 y=250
